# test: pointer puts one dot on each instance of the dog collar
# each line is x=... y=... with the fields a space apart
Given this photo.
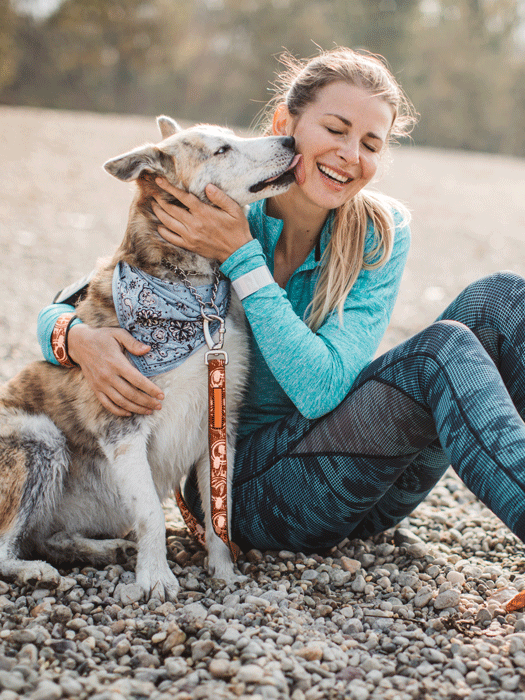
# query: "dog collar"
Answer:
x=164 y=315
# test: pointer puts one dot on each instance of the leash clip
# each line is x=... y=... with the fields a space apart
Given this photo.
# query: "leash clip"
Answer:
x=206 y=318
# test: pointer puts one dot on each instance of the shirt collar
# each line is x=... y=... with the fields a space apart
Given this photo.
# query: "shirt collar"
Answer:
x=268 y=230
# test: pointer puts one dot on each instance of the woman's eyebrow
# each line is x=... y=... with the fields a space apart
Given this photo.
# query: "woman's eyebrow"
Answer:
x=347 y=122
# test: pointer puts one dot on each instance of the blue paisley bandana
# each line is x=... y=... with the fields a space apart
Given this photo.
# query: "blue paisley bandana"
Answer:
x=163 y=315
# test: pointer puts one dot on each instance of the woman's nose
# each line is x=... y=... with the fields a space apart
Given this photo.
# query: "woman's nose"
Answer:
x=349 y=151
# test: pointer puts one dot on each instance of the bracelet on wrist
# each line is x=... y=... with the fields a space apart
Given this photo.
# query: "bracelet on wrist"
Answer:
x=59 y=339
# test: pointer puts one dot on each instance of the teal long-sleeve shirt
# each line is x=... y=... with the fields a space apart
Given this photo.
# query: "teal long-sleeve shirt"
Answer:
x=292 y=367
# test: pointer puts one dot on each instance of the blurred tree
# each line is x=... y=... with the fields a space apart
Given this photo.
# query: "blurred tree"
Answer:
x=214 y=60
x=9 y=51
x=462 y=80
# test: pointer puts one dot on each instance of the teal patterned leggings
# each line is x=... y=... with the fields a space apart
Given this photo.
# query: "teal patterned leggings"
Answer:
x=452 y=394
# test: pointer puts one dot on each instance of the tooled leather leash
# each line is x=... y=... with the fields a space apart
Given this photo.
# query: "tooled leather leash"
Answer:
x=216 y=358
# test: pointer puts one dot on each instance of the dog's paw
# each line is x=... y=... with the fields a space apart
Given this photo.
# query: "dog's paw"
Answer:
x=38 y=573
x=164 y=587
x=225 y=572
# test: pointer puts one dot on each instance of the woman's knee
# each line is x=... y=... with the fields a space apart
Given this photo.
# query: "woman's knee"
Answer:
x=492 y=301
x=497 y=285
x=444 y=333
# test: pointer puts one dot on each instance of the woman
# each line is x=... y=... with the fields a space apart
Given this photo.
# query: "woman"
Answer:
x=333 y=444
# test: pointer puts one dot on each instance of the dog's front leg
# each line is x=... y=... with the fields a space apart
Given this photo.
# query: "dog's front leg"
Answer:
x=131 y=471
x=220 y=563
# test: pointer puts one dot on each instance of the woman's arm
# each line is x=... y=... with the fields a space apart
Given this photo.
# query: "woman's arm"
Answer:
x=99 y=352
x=316 y=370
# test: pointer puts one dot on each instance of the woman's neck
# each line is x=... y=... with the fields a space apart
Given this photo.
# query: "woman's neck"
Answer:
x=302 y=226
x=302 y=220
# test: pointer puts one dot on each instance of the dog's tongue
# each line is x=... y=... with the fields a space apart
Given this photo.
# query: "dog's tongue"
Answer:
x=300 y=174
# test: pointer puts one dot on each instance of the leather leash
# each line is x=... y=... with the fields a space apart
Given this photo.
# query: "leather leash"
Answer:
x=216 y=358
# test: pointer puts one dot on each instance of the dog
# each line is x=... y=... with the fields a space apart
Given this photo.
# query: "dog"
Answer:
x=75 y=480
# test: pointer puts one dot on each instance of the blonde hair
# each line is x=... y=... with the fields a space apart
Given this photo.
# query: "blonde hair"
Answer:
x=297 y=87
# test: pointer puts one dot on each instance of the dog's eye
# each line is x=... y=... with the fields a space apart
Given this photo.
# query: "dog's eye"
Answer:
x=222 y=149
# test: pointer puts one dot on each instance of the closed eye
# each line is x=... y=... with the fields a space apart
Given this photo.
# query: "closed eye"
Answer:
x=222 y=149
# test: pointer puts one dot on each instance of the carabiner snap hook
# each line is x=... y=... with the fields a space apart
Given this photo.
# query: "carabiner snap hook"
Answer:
x=207 y=335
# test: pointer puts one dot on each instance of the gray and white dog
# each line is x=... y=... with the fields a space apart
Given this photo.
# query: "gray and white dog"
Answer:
x=71 y=473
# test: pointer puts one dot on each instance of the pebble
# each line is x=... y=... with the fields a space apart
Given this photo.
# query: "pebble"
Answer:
x=250 y=674
x=447 y=599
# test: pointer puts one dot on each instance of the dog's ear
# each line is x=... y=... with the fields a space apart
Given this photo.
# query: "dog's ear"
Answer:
x=167 y=126
x=130 y=165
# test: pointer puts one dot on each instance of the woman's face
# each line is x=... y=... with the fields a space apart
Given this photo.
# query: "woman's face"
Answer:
x=341 y=136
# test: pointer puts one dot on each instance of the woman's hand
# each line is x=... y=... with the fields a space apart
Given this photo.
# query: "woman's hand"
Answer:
x=117 y=384
x=212 y=231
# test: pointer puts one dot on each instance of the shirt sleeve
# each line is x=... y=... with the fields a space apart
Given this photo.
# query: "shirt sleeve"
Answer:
x=45 y=325
x=316 y=370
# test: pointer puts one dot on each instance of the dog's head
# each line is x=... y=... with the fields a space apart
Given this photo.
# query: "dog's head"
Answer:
x=246 y=169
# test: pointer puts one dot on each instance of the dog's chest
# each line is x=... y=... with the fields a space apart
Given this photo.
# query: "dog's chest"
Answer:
x=179 y=435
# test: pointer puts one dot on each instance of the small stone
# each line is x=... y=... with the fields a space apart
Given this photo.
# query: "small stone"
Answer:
x=456 y=578
x=175 y=637
x=201 y=649
x=12 y=680
x=447 y=599
x=423 y=597
x=128 y=593
x=23 y=636
x=165 y=609
x=145 y=660
x=176 y=668
x=285 y=554
x=353 y=626
x=404 y=537
x=418 y=550
x=251 y=673
x=309 y=575
x=358 y=584
x=220 y=668
x=47 y=690
x=351 y=565
x=483 y=615
x=254 y=556
x=195 y=612
x=61 y=614
x=122 y=648
x=66 y=584
x=312 y=652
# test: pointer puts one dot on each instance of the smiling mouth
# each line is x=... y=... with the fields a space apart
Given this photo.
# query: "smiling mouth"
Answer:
x=284 y=178
x=333 y=175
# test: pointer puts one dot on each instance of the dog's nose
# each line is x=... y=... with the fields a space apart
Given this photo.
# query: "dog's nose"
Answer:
x=289 y=142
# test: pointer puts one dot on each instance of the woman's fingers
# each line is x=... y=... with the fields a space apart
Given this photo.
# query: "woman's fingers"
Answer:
x=118 y=385
x=165 y=214
x=221 y=200
x=186 y=198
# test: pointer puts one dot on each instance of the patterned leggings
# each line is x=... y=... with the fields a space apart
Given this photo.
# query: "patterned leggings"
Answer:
x=452 y=394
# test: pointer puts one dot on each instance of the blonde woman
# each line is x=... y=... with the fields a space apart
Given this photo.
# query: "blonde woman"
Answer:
x=332 y=443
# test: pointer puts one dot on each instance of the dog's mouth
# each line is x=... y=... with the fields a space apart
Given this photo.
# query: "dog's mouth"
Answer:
x=284 y=178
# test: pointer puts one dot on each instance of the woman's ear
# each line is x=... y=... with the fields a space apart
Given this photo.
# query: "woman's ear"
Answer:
x=282 y=121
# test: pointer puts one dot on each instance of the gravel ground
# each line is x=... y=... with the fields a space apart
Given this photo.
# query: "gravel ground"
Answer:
x=418 y=612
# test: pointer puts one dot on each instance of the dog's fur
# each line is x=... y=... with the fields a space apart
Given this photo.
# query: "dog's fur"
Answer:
x=70 y=471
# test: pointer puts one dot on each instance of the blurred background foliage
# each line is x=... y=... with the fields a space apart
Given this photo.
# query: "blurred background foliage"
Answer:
x=462 y=62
